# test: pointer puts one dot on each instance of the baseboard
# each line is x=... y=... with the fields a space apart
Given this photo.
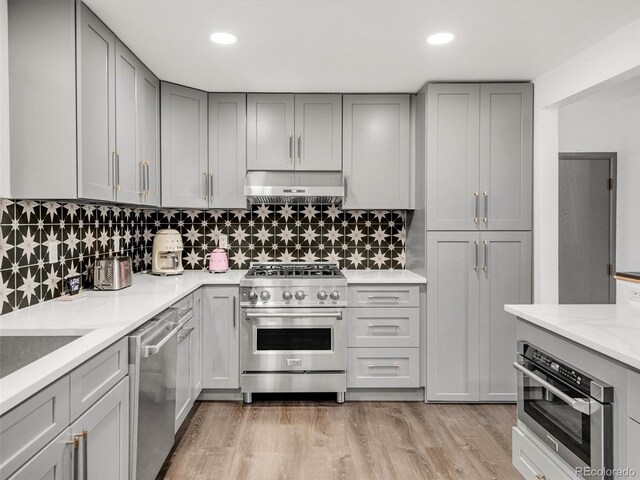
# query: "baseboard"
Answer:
x=385 y=395
x=209 y=395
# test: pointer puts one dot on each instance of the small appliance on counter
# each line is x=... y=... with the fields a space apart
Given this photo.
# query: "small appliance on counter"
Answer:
x=218 y=261
x=112 y=273
x=167 y=253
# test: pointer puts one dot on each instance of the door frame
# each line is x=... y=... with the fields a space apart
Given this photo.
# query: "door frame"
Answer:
x=612 y=157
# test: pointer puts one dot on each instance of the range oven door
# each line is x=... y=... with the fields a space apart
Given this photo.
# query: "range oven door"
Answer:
x=293 y=340
x=571 y=423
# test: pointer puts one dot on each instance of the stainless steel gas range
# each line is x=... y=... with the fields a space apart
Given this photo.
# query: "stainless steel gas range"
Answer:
x=293 y=334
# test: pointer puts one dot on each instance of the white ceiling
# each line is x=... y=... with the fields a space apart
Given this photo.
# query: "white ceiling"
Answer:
x=357 y=45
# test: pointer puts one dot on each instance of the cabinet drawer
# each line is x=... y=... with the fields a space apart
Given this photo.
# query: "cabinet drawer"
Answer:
x=33 y=424
x=383 y=367
x=96 y=376
x=384 y=296
x=633 y=394
x=532 y=462
x=384 y=327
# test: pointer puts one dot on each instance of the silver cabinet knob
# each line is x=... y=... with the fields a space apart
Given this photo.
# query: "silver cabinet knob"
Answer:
x=300 y=295
x=335 y=295
x=253 y=296
x=287 y=295
x=265 y=295
x=322 y=295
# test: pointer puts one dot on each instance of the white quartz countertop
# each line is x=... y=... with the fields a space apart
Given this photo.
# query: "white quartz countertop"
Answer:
x=104 y=317
x=613 y=330
x=383 y=276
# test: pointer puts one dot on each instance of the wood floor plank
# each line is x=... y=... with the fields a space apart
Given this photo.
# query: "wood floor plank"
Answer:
x=353 y=441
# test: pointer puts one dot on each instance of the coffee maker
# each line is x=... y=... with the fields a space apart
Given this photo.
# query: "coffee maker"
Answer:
x=167 y=253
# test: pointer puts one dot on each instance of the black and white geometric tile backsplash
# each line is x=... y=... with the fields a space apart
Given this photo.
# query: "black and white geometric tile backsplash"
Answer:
x=81 y=233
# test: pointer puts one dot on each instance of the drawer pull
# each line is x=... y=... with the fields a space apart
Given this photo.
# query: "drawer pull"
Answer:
x=384 y=297
x=371 y=325
x=395 y=365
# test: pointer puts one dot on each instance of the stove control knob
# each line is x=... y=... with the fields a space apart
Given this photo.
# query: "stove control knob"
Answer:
x=253 y=296
x=287 y=295
x=322 y=295
x=264 y=295
x=300 y=295
x=335 y=295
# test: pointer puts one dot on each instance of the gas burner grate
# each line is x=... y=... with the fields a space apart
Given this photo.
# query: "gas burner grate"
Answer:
x=293 y=270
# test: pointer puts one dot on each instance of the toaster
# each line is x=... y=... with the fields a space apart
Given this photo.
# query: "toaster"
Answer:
x=112 y=273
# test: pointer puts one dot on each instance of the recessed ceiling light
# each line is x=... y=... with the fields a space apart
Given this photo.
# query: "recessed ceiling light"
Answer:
x=223 y=38
x=440 y=38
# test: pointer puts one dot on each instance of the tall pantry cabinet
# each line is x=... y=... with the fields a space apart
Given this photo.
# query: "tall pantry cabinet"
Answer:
x=478 y=234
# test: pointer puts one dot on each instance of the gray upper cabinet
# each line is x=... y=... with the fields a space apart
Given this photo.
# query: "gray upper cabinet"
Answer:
x=227 y=149
x=452 y=156
x=479 y=156
x=506 y=151
x=185 y=181
x=149 y=135
x=221 y=329
x=505 y=278
x=376 y=151
x=270 y=132
x=452 y=316
x=96 y=108
x=318 y=132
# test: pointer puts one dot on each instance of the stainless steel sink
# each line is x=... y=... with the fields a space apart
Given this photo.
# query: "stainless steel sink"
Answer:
x=19 y=351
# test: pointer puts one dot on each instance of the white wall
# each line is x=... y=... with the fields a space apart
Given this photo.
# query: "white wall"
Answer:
x=587 y=126
x=4 y=102
x=612 y=60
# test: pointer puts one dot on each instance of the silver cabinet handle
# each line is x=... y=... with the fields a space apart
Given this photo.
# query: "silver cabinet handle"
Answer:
x=210 y=186
x=485 y=218
x=395 y=365
x=578 y=404
x=75 y=442
x=142 y=185
x=234 y=311
x=118 y=169
x=476 y=267
x=290 y=148
x=486 y=256
x=299 y=148
x=477 y=200
x=372 y=325
x=373 y=298
x=206 y=186
x=113 y=170
x=250 y=315
x=185 y=332
x=344 y=180
x=148 y=187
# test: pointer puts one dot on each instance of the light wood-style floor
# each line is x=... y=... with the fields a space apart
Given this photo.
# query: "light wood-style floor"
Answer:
x=356 y=440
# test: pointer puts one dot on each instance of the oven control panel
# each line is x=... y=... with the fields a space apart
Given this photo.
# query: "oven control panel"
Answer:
x=560 y=369
x=293 y=296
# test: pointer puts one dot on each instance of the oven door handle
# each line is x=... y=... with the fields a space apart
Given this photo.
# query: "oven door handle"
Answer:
x=338 y=315
x=578 y=404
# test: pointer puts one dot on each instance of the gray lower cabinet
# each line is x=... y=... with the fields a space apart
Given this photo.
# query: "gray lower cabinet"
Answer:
x=185 y=180
x=196 y=344
x=96 y=107
x=221 y=329
x=53 y=462
x=479 y=156
x=383 y=368
x=270 y=132
x=376 y=151
x=469 y=340
x=384 y=327
x=184 y=374
x=227 y=149
x=103 y=432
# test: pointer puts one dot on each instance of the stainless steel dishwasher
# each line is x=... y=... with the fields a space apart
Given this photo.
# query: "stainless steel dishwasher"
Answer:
x=153 y=350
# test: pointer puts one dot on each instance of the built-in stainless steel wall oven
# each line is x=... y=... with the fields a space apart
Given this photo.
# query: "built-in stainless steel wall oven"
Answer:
x=566 y=408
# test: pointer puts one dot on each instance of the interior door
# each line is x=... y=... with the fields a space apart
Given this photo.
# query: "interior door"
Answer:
x=452 y=316
x=318 y=133
x=586 y=229
x=270 y=128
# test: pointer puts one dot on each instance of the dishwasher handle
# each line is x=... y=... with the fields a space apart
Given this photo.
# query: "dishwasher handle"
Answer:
x=151 y=350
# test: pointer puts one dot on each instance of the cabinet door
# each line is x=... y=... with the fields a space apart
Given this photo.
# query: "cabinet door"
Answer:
x=452 y=316
x=53 y=462
x=106 y=447
x=196 y=345
x=227 y=149
x=633 y=440
x=505 y=278
x=96 y=107
x=506 y=149
x=376 y=151
x=128 y=169
x=453 y=200
x=184 y=375
x=221 y=339
x=270 y=128
x=149 y=131
x=184 y=147
x=318 y=142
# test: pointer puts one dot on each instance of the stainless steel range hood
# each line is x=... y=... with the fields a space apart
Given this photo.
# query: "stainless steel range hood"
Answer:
x=294 y=187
